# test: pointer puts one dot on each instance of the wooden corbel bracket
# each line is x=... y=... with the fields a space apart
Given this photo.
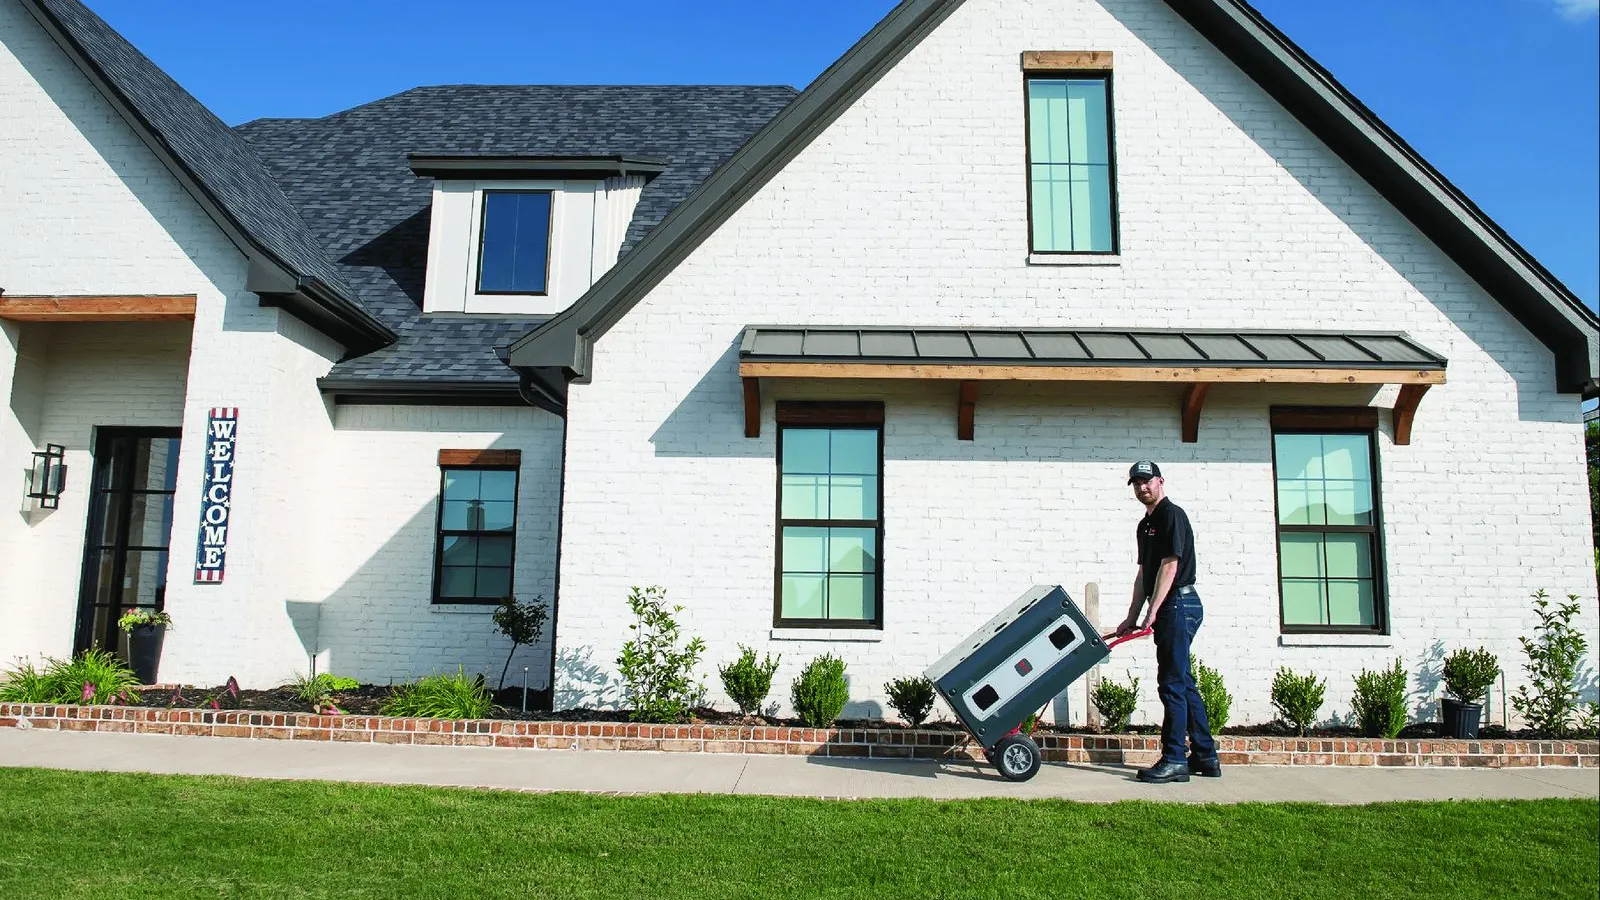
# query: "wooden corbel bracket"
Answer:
x=1193 y=401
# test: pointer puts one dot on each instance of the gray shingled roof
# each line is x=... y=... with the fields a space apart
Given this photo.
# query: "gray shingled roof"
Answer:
x=350 y=177
x=213 y=155
x=1485 y=252
x=1084 y=347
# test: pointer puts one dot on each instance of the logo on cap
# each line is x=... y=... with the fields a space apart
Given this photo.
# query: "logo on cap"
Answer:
x=1142 y=470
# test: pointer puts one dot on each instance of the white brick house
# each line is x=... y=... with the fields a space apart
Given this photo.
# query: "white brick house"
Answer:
x=352 y=297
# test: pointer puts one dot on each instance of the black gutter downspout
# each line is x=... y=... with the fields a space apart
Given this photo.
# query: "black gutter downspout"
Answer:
x=547 y=389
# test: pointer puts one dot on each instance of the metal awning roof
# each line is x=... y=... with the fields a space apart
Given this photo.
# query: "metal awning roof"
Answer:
x=1195 y=358
x=1201 y=348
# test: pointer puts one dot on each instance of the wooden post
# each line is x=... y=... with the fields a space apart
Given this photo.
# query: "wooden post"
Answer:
x=1091 y=609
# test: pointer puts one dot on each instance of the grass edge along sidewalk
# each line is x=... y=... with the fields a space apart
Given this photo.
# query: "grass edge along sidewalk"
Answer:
x=67 y=835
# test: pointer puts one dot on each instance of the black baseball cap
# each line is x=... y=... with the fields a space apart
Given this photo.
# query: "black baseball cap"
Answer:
x=1143 y=470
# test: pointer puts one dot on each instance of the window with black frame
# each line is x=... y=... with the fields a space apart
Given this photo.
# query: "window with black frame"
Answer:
x=1071 y=169
x=514 y=242
x=830 y=523
x=476 y=543
x=1329 y=554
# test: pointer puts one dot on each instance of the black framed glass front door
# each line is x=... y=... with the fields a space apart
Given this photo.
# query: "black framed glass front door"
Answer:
x=130 y=529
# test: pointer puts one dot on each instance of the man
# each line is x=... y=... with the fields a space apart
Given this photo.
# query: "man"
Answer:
x=1166 y=579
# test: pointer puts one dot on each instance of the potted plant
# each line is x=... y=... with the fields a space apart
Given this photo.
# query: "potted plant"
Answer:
x=1467 y=677
x=145 y=628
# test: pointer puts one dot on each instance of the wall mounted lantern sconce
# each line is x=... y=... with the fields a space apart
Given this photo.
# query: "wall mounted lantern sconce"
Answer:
x=48 y=477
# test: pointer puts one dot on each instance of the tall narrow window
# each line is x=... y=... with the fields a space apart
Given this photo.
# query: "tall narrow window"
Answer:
x=830 y=525
x=514 y=244
x=1071 y=185
x=1328 y=550
x=476 y=540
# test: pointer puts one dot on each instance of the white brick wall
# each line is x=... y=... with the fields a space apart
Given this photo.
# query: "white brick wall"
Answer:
x=911 y=209
x=330 y=515
x=89 y=210
x=376 y=540
x=72 y=379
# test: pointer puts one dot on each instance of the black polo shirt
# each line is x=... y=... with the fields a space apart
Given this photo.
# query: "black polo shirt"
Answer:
x=1162 y=533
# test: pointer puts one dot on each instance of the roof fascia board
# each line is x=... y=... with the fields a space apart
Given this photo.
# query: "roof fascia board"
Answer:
x=356 y=321
x=421 y=391
x=1527 y=290
x=566 y=340
x=459 y=166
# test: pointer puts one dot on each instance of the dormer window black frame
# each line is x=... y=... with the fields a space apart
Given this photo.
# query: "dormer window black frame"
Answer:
x=516 y=241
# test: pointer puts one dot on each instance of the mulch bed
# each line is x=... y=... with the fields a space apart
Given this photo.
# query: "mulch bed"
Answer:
x=367 y=700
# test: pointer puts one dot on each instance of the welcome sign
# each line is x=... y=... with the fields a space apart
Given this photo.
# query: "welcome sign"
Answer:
x=222 y=430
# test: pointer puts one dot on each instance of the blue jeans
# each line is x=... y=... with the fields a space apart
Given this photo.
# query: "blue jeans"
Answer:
x=1185 y=711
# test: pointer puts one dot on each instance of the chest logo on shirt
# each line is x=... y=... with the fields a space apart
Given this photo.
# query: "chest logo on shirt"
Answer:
x=1150 y=530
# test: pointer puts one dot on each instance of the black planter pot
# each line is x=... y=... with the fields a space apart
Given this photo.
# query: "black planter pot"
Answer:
x=144 y=651
x=1459 y=720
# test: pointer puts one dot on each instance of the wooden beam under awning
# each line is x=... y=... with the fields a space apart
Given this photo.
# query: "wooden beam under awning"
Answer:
x=98 y=308
x=1197 y=380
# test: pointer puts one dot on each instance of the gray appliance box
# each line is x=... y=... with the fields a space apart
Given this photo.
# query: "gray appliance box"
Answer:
x=1017 y=662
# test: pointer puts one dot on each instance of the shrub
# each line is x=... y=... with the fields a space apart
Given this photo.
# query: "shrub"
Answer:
x=1116 y=703
x=1298 y=698
x=912 y=698
x=521 y=622
x=1217 y=699
x=1380 y=701
x=441 y=697
x=94 y=676
x=657 y=675
x=318 y=690
x=820 y=693
x=1589 y=721
x=748 y=682
x=1469 y=673
x=1549 y=700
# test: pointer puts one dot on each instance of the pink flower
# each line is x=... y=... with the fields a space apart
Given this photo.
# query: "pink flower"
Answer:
x=88 y=691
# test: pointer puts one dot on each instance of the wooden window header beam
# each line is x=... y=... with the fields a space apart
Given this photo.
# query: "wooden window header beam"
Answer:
x=98 y=308
x=830 y=412
x=1066 y=60
x=509 y=459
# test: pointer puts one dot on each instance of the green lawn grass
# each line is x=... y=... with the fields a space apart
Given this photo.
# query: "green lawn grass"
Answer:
x=67 y=834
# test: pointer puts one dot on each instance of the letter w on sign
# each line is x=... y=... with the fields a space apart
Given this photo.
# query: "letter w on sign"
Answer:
x=216 y=495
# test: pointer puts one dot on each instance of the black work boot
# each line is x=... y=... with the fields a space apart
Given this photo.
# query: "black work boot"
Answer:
x=1205 y=768
x=1164 y=771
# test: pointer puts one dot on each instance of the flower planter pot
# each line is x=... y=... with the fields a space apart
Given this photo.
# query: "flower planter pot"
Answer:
x=144 y=651
x=1459 y=720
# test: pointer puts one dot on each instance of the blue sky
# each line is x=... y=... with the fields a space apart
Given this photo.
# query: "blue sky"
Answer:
x=1502 y=96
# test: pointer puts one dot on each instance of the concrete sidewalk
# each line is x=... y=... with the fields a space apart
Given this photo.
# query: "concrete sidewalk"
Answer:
x=655 y=773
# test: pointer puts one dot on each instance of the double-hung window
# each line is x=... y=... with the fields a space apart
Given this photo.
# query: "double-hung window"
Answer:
x=475 y=543
x=830 y=517
x=1071 y=176
x=1329 y=553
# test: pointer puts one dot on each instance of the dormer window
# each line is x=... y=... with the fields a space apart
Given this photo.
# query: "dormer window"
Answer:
x=512 y=235
x=514 y=242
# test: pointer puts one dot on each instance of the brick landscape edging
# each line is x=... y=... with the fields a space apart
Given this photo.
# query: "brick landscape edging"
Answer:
x=873 y=743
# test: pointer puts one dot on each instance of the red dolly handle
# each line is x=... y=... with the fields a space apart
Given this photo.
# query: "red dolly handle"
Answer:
x=1130 y=636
